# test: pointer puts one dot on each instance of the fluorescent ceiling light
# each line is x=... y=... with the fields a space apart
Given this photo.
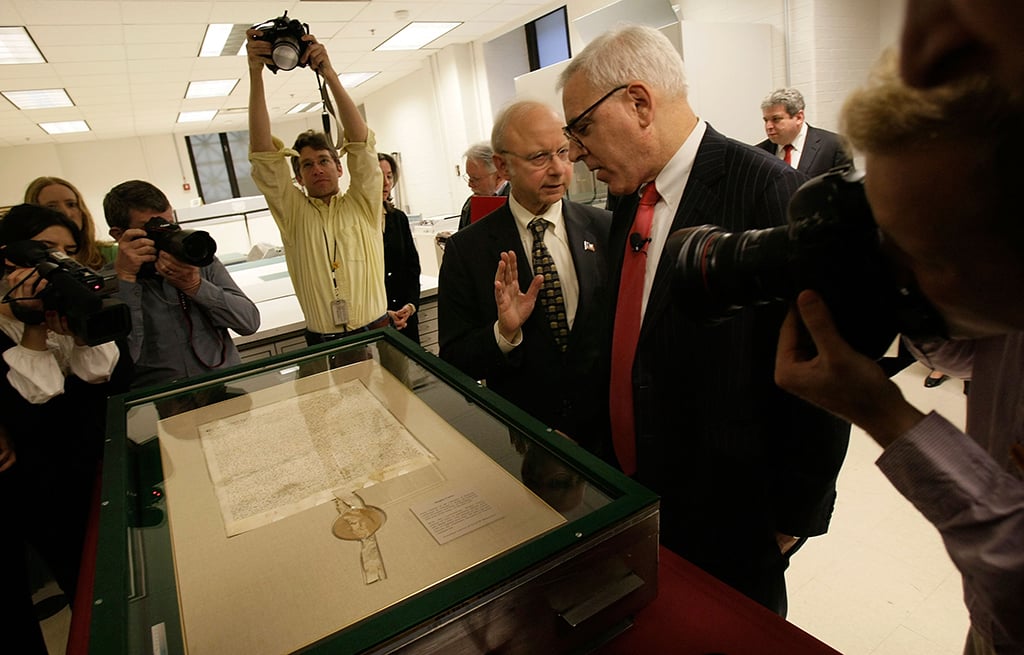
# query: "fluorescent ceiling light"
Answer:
x=196 y=116
x=352 y=80
x=39 y=98
x=17 y=47
x=65 y=127
x=210 y=88
x=216 y=36
x=304 y=107
x=416 y=35
x=223 y=40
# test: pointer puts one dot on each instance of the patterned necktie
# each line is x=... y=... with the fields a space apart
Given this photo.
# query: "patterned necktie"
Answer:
x=627 y=333
x=788 y=156
x=550 y=295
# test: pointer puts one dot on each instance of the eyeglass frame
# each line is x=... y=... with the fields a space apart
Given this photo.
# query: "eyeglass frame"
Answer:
x=466 y=177
x=569 y=129
x=541 y=160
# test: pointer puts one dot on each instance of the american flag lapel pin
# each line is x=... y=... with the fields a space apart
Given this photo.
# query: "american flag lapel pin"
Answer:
x=588 y=246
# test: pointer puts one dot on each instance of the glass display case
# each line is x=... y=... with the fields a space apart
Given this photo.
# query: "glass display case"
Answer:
x=359 y=496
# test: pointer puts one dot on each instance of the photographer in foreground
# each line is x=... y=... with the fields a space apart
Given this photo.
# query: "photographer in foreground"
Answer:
x=333 y=241
x=53 y=395
x=181 y=313
x=945 y=200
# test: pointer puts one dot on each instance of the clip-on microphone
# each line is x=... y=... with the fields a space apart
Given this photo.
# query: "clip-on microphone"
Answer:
x=636 y=242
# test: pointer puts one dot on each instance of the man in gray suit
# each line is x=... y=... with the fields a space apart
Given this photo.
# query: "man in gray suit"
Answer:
x=810 y=150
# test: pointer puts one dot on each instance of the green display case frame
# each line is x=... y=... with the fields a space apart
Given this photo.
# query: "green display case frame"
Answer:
x=132 y=497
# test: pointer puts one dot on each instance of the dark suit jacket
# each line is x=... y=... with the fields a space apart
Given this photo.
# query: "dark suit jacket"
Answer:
x=823 y=150
x=733 y=457
x=401 y=268
x=567 y=391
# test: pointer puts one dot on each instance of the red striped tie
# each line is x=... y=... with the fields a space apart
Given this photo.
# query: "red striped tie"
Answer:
x=627 y=332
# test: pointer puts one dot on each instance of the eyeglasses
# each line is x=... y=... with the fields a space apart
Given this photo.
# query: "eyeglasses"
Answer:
x=570 y=130
x=476 y=180
x=540 y=160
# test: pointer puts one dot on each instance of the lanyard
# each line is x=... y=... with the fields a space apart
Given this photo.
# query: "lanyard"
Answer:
x=332 y=260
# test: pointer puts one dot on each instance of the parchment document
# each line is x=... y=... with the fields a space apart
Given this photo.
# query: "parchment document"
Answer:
x=288 y=456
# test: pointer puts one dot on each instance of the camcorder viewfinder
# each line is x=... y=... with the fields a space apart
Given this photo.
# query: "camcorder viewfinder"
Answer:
x=73 y=291
x=286 y=45
x=831 y=244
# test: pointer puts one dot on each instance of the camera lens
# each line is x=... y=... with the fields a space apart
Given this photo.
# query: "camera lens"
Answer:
x=197 y=247
x=718 y=273
x=286 y=52
x=194 y=247
x=831 y=245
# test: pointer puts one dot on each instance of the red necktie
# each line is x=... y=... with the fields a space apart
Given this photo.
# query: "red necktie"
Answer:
x=627 y=332
x=788 y=156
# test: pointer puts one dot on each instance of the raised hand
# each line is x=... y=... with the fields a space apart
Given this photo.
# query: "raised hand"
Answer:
x=514 y=306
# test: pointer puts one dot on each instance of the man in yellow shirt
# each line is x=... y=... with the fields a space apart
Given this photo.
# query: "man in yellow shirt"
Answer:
x=333 y=242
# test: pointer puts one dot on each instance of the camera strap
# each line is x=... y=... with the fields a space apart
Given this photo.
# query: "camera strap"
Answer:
x=328 y=111
x=185 y=304
x=21 y=312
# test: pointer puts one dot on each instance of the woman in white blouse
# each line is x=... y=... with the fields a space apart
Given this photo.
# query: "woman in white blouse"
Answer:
x=53 y=392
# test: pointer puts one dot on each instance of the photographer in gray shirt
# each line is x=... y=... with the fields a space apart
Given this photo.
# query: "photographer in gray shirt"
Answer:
x=181 y=313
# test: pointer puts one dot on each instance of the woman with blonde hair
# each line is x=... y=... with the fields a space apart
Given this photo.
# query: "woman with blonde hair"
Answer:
x=60 y=195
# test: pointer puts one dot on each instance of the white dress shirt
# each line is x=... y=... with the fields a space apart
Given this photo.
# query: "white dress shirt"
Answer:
x=798 y=147
x=557 y=241
x=671 y=182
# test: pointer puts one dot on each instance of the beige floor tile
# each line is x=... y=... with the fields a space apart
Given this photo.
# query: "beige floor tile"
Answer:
x=904 y=641
x=942 y=617
x=839 y=620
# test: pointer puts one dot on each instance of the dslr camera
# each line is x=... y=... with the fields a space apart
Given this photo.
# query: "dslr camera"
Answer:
x=194 y=247
x=73 y=291
x=831 y=244
x=286 y=45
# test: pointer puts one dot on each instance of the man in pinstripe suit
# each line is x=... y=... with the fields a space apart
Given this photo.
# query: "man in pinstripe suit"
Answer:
x=745 y=471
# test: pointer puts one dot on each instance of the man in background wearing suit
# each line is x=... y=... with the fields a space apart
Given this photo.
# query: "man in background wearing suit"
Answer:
x=810 y=150
x=482 y=176
x=541 y=351
x=744 y=470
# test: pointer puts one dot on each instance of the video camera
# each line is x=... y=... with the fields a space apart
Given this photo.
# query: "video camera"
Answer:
x=285 y=38
x=831 y=244
x=73 y=291
x=194 y=247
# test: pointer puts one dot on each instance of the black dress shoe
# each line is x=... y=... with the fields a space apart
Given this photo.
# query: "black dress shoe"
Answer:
x=931 y=382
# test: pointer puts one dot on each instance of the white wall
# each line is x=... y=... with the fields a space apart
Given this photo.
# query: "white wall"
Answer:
x=505 y=60
x=431 y=115
x=760 y=12
x=825 y=49
x=405 y=118
x=727 y=67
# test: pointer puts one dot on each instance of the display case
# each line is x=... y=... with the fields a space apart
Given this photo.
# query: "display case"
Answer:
x=358 y=497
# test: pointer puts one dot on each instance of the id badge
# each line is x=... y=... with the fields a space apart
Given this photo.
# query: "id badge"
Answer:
x=339 y=310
